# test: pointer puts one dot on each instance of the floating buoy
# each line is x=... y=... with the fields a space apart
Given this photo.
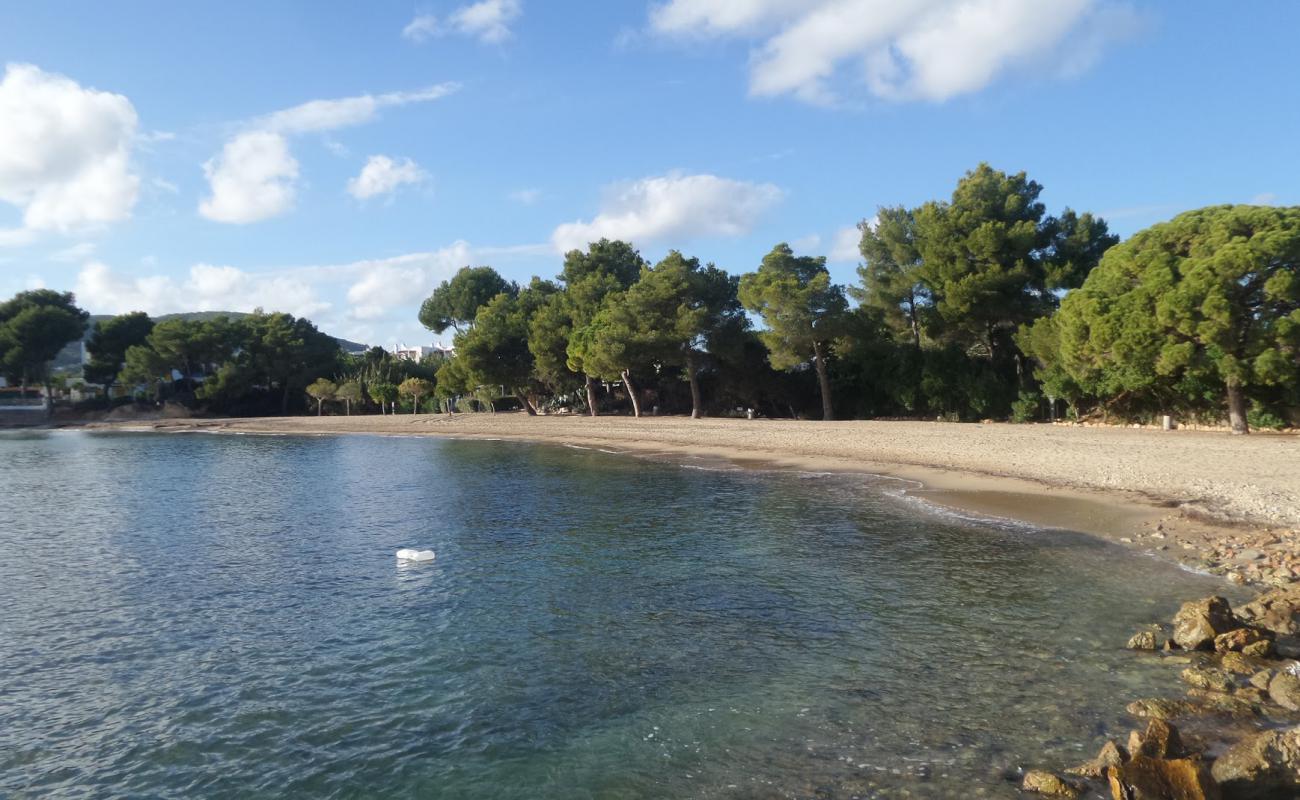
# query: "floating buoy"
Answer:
x=407 y=554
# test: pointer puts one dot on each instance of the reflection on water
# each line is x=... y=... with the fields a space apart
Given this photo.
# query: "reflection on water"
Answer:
x=223 y=616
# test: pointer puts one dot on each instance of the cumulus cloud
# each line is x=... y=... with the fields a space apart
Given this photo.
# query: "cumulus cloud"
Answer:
x=488 y=21
x=253 y=179
x=255 y=176
x=903 y=49
x=384 y=285
x=382 y=175
x=672 y=207
x=205 y=288
x=64 y=153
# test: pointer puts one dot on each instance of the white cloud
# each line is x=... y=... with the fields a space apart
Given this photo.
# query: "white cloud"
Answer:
x=64 y=153
x=382 y=175
x=1264 y=199
x=253 y=179
x=255 y=176
x=844 y=248
x=671 y=208
x=205 y=288
x=488 y=21
x=904 y=49
x=402 y=282
x=526 y=197
x=315 y=116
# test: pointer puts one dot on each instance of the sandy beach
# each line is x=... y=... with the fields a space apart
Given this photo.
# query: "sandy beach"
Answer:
x=1193 y=495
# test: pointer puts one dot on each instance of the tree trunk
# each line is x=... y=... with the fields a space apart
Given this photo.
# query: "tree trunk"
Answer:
x=348 y=404
x=591 y=396
x=284 y=400
x=631 y=393
x=320 y=401
x=415 y=404
x=526 y=403
x=823 y=380
x=696 y=411
x=1237 y=408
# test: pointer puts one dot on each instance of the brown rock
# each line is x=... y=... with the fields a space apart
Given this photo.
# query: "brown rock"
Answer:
x=1134 y=742
x=1037 y=780
x=1159 y=708
x=1233 y=705
x=1162 y=779
x=1199 y=621
x=1266 y=765
x=1143 y=640
x=1112 y=755
x=1260 y=649
x=1239 y=638
x=1261 y=679
x=1237 y=664
x=1160 y=741
x=1284 y=689
x=1277 y=610
x=1209 y=678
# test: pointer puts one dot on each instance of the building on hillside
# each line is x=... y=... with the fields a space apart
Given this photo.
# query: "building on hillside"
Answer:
x=421 y=352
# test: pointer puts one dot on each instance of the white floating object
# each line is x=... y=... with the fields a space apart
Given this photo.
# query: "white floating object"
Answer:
x=407 y=554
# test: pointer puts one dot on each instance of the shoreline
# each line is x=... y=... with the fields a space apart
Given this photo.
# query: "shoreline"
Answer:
x=1169 y=522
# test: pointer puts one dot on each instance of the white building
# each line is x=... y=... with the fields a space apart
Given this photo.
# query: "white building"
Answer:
x=421 y=352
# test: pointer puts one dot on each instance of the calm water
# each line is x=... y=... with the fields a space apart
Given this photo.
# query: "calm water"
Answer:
x=216 y=616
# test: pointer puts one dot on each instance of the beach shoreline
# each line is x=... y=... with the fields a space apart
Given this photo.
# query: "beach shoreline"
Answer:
x=1171 y=495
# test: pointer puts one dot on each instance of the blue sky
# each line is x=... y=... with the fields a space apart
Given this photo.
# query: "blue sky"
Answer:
x=338 y=160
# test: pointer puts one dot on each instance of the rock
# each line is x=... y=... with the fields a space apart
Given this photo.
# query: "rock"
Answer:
x=1233 y=705
x=1134 y=742
x=1161 y=740
x=1199 y=621
x=1277 y=610
x=1239 y=638
x=1112 y=755
x=1237 y=664
x=1037 y=780
x=1162 y=779
x=1159 y=708
x=1261 y=679
x=1260 y=649
x=1266 y=765
x=1209 y=678
x=1143 y=640
x=1284 y=689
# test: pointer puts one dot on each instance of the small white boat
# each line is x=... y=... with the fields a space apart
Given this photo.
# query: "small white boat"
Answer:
x=407 y=554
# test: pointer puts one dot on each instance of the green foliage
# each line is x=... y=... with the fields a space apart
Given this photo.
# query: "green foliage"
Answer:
x=495 y=351
x=1260 y=417
x=1204 y=304
x=891 y=274
x=34 y=327
x=1026 y=407
x=802 y=309
x=321 y=390
x=108 y=344
x=992 y=259
x=349 y=392
x=455 y=303
x=415 y=388
x=384 y=394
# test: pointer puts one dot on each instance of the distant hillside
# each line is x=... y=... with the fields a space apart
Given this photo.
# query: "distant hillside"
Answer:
x=70 y=356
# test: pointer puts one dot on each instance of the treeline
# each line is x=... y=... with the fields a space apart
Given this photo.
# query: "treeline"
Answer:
x=980 y=306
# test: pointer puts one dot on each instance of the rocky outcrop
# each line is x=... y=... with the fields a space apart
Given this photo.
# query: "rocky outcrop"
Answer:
x=1284 y=689
x=1198 y=622
x=1261 y=767
x=1144 y=640
x=1278 y=611
x=1146 y=778
x=1239 y=639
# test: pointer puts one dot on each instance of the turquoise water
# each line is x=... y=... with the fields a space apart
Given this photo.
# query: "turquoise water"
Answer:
x=221 y=616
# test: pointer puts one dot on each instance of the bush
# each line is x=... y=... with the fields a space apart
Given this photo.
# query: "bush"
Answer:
x=1026 y=407
x=1261 y=418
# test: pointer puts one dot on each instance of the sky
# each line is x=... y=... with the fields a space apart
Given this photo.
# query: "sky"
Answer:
x=339 y=160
